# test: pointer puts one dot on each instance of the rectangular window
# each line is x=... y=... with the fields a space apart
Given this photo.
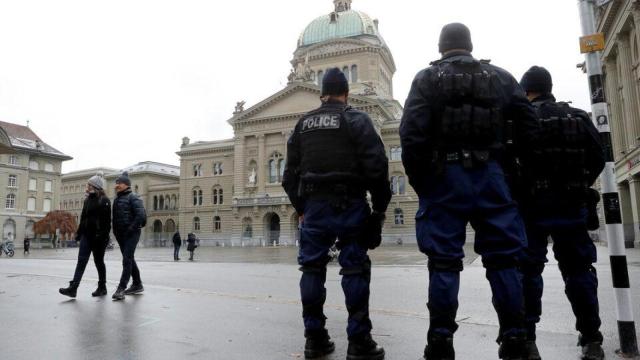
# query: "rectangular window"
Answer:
x=13 y=181
x=48 y=167
x=13 y=160
x=48 y=185
x=10 y=202
x=33 y=185
x=33 y=165
x=46 y=205
x=31 y=204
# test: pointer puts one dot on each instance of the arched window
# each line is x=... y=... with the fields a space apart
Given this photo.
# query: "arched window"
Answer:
x=197 y=169
x=197 y=197
x=155 y=203
x=196 y=224
x=395 y=153
x=247 y=229
x=217 y=224
x=345 y=70
x=10 y=202
x=174 y=202
x=276 y=168
x=167 y=202
x=217 y=168
x=161 y=203
x=320 y=75
x=398 y=217
x=398 y=185
x=217 y=196
x=354 y=73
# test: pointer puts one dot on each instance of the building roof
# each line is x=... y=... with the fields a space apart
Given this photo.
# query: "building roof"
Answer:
x=150 y=167
x=23 y=138
x=339 y=24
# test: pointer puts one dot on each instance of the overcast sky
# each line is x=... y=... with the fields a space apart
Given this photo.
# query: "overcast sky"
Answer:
x=112 y=83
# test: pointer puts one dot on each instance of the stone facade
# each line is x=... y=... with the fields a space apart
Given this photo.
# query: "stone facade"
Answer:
x=619 y=20
x=30 y=177
x=230 y=190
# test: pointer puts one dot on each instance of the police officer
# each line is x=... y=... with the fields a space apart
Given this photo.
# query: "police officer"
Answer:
x=461 y=119
x=566 y=162
x=334 y=157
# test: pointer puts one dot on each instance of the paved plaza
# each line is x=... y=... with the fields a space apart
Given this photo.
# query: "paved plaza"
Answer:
x=243 y=303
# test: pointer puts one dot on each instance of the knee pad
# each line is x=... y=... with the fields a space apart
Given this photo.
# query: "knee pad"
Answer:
x=313 y=269
x=575 y=267
x=440 y=265
x=500 y=262
x=364 y=269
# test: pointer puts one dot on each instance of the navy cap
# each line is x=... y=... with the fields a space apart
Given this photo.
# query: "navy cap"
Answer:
x=537 y=79
x=334 y=83
x=455 y=36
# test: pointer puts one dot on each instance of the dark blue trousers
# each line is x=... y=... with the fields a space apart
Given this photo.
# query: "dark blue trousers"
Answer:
x=322 y=225
x=84 y=252
x=478 y=196
x=575 y=252
x=128 y=241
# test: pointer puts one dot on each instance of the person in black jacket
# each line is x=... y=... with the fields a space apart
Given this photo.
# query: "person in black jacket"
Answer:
x=462 y=119
x=177 y=242
x=93 y=234
x=192 y=244
x=129 y=217
x=335 y=156
x=566 y=162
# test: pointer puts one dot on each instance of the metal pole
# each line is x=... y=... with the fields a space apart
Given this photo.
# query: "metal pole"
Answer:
x=610 y=197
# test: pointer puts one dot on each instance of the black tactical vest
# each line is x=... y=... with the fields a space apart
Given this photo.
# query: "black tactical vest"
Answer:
x=469 y=106
x=327 y=151
x=559 y=163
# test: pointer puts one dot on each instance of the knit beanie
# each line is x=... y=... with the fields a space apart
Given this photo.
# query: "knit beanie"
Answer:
x=334 y=83
x=123 y=179
x=97 y=180
x=537 y=79
x=455 y=36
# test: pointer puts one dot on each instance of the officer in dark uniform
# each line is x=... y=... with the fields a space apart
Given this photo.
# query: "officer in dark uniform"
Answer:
x=334 y=157
x=462 y=119
x=566 y=162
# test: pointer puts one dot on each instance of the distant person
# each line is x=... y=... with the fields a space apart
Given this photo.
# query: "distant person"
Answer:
x=192 y=244
x=27 y=245
x=129 y=217
x=177 y=242
x=93 y=235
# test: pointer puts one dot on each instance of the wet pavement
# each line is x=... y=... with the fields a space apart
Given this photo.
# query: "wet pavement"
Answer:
x=242 y=303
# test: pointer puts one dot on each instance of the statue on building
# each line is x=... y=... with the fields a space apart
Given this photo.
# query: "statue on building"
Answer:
x=252 y=176
x=239 y=107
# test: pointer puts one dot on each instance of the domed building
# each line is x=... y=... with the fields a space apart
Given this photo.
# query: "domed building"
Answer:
x=230 y=190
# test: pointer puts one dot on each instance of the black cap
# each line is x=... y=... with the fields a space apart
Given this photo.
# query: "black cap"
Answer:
x=537 y=79
x=455 y=36
x=123 y=179
x=334 y=83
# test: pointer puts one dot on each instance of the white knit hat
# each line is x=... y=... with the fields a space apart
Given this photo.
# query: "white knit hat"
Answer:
x=97 y=181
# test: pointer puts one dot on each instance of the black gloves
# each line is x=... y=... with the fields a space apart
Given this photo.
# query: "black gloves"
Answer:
x=593 y=198
x=373 y=230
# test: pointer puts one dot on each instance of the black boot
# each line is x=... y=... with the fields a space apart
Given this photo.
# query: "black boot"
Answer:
x=364 y=348
x=512 y=348
x=134 y=289
x=100 y=291
x=531 y=351
x=318 y=344
x=439 y=347
x=119 y=294
x=71 y=290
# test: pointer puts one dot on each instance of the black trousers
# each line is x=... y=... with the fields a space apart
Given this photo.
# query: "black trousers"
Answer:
x=86 y=249
x=128 y=240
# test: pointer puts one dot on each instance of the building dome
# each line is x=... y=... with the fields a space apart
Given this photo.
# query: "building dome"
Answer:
x=339 y=24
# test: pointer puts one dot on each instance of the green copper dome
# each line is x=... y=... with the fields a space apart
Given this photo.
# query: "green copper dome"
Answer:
x=342 y=24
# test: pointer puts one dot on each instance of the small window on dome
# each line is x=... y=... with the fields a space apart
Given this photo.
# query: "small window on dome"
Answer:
x=334 y=17
x=370 y=29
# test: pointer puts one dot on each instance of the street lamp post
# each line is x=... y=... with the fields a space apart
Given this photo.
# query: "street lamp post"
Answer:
x=610 y=196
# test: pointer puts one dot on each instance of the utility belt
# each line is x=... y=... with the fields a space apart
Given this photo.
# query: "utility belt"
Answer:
x=468 y=158
x=330 y=190
x=575 y=190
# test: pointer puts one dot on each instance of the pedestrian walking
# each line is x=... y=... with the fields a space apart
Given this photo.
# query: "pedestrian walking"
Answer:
x=461 y=120
x=129 y=217
x=93 y=235
x=566 y=162
x=177 y=242
x=335 y=156
x=192 y=244
x=27 y=245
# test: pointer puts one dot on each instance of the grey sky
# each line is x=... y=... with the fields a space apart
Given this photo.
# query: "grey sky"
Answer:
x=114 y=83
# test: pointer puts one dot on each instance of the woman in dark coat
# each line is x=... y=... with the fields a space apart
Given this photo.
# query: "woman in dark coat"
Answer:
x=177 y=242
x=192 y=244
x=93 y=234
